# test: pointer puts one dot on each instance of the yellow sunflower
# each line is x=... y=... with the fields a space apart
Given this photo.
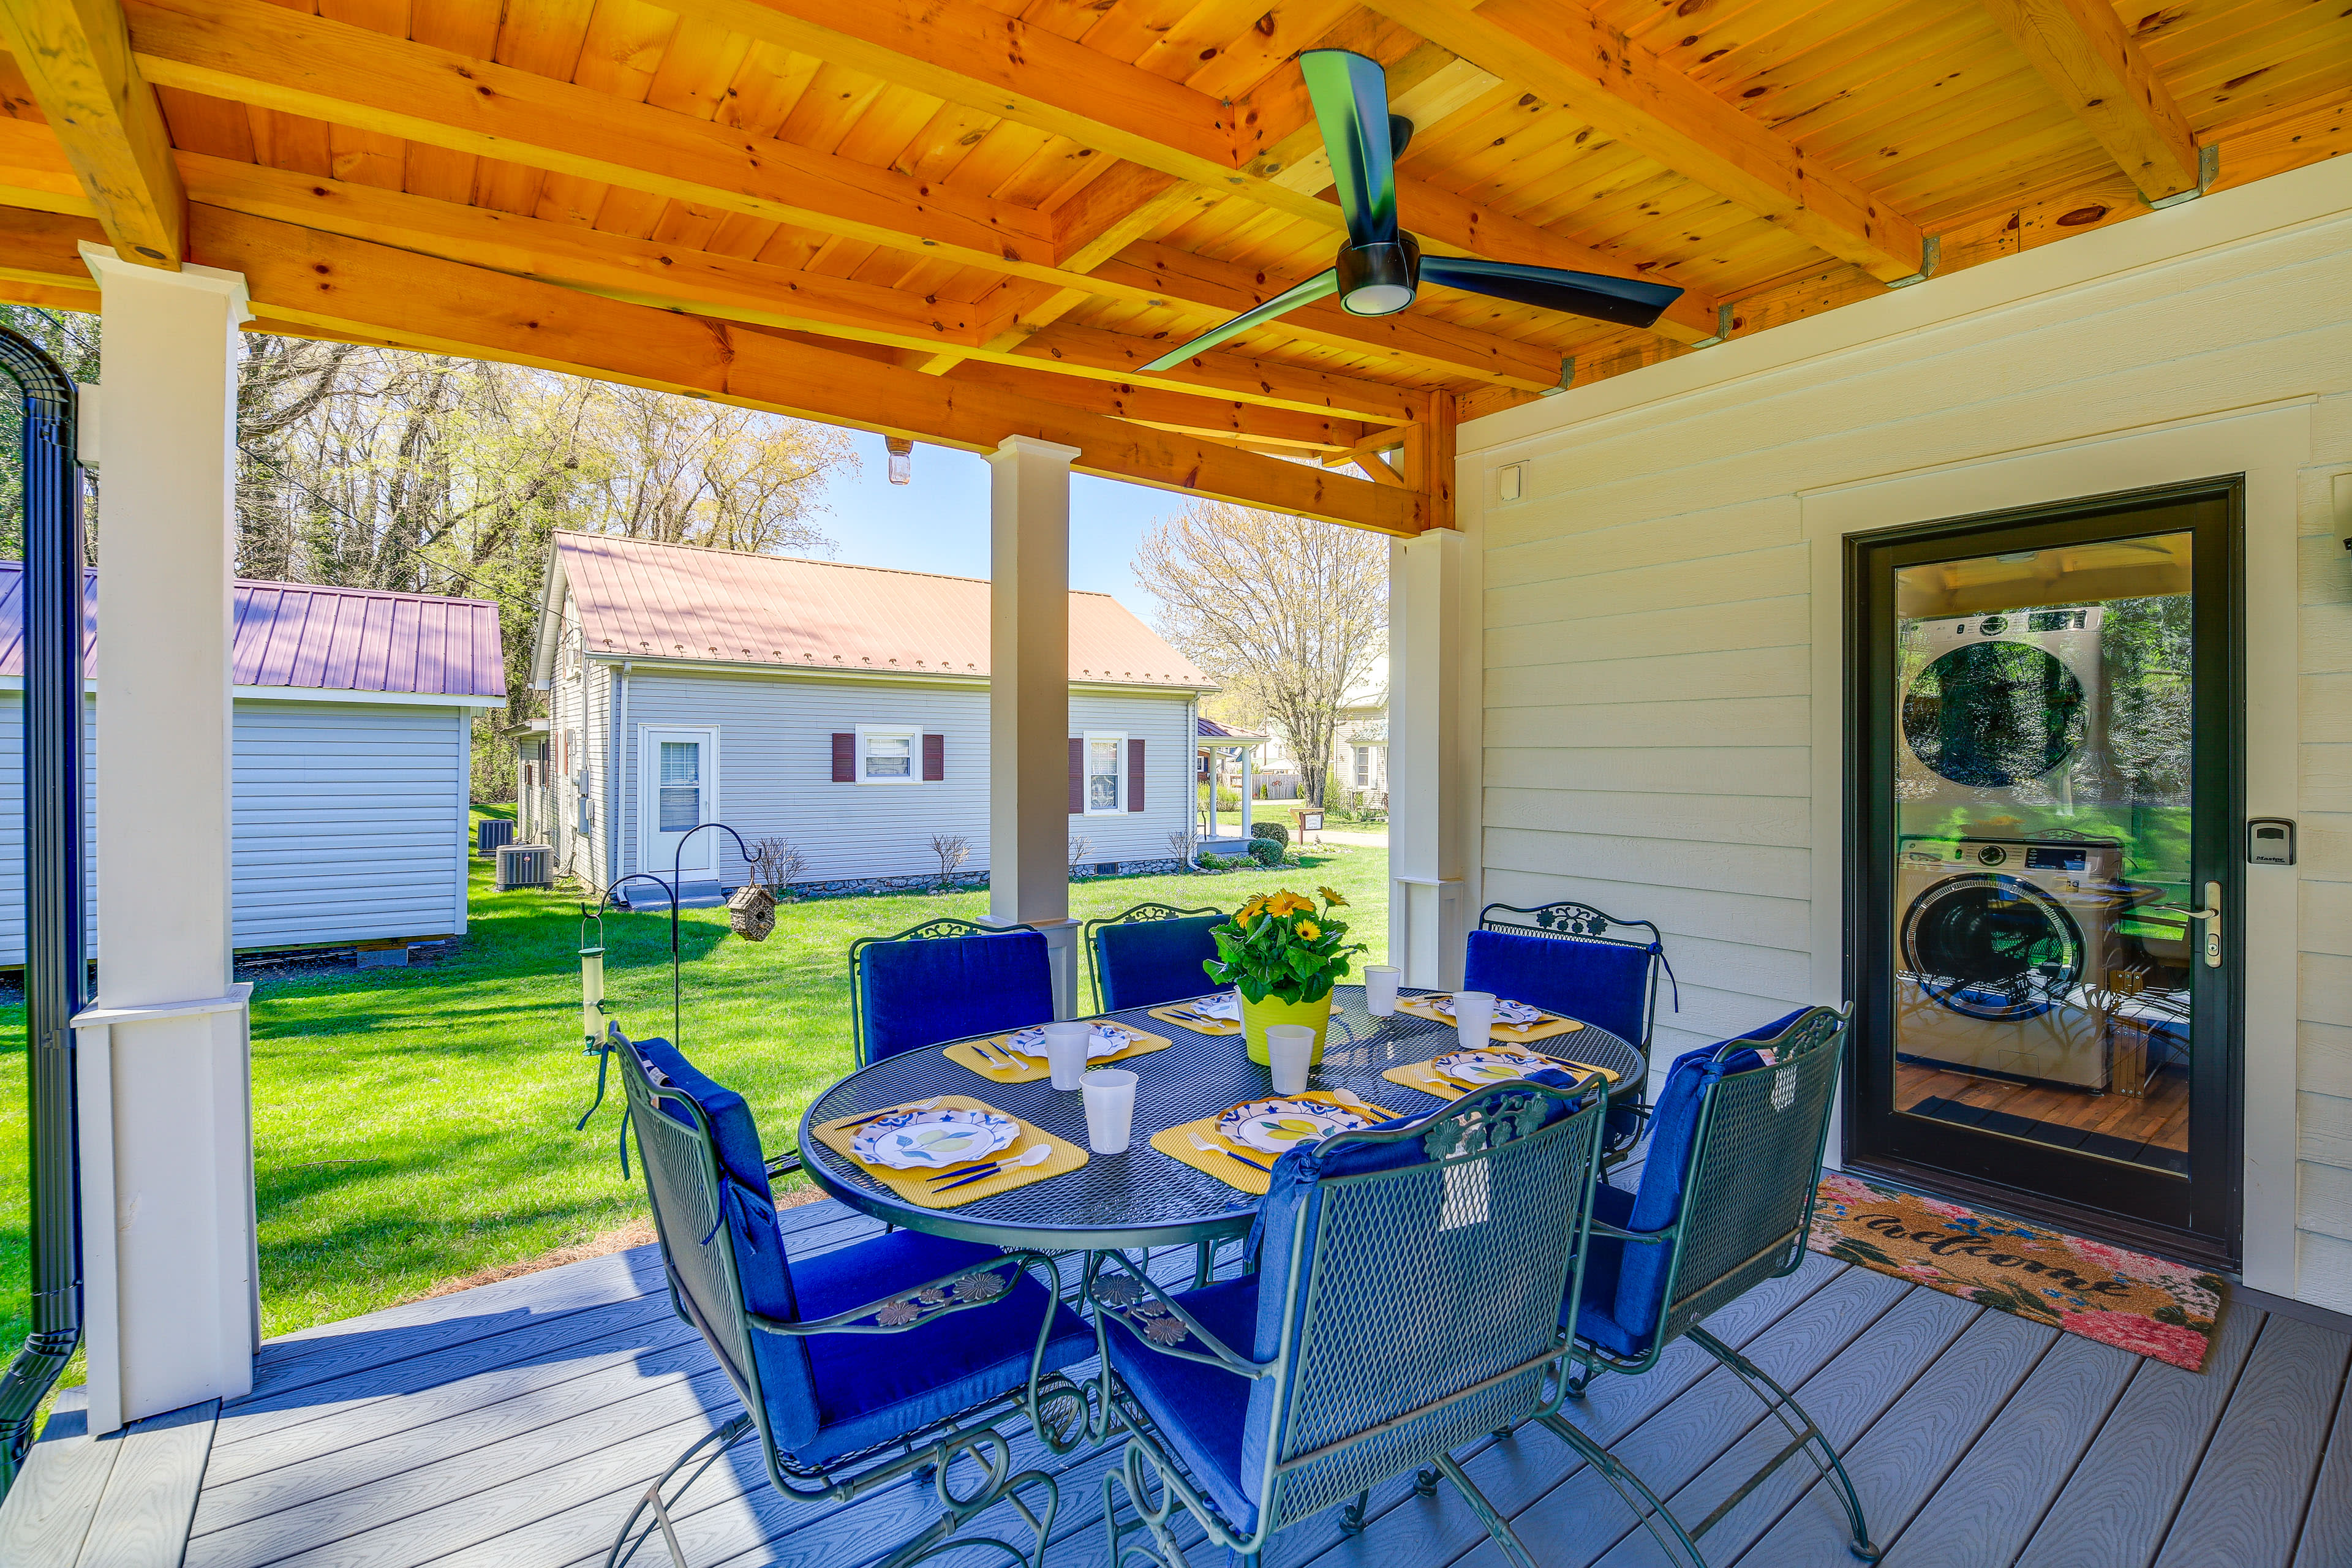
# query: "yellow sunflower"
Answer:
x=1331 y=897
x=1309 y=931
x=1289 y=903
x=1251 y=910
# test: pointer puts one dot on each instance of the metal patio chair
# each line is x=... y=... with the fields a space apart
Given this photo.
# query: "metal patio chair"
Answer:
x=1406 y=1301
x=944 y=980
x=1725 y=1203
x=845 y=1376
x=1573 y=958
x=1150 y=954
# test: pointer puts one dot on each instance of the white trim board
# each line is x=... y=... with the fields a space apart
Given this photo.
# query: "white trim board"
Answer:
x=318 y=694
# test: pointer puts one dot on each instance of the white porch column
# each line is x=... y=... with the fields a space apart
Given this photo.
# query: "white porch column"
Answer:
x=1431 y=802
x=164 y=1063
x=1029 y=701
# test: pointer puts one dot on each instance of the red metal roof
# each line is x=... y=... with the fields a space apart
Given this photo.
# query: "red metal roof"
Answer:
x=675 y=601
x=303 y=635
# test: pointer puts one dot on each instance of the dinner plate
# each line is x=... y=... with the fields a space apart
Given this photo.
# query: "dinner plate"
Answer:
x=1486 y=1067
x=1107 y=1040
x=1519 y=1013
x=1224 y=1005
x=933 y=1140
x=1275 y=1126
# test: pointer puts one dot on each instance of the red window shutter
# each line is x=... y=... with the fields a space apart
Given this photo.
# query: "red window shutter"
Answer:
x=1078 y=776
x=1134 y=776
x=845 y=758
x=935 y=759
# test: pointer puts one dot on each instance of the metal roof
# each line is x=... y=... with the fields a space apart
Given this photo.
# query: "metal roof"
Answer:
x=639 y=598
x=306 y=637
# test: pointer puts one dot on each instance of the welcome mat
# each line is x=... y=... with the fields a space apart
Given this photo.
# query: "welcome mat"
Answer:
x=2128 y=1300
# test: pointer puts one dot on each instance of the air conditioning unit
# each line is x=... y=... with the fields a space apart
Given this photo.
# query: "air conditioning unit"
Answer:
x=521 y=866
x=491 y=833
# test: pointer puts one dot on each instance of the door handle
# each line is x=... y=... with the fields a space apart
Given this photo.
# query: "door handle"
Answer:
x=2211 y=915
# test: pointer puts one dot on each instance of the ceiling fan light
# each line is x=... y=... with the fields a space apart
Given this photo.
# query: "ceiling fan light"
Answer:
x=1378 y=299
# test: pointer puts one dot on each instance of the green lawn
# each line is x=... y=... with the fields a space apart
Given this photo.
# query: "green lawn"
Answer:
x=411 y=1125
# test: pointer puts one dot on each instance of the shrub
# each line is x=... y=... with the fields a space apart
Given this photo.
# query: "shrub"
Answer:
x=1217 y=862
x=1265 y=851
x=1273 y=830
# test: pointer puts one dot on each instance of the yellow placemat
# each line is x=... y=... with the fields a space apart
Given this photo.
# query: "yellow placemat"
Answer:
x=1032 y=1070
x=1170 y=1014
x=1507 y=1033
x=1423 y=1076
x=915 y=1186
x=1176 y=1142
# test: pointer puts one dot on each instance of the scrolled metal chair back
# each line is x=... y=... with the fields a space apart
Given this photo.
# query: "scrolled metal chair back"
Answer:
x=1433 y=1293
x=930 y=931
x=1755 y=1166
x=1565 y=920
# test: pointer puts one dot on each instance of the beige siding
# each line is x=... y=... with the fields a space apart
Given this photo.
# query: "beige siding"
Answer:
x=1647 y=640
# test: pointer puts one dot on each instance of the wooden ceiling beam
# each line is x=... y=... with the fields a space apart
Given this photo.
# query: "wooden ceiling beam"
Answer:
x=1120 y=356
x=2081 y=49
x=1564 y=53
x=75 y=57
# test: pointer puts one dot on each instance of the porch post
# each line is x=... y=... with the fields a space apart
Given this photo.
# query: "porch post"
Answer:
x=1029 y=701
x=165 y=1078
x=1247 y=753
x=1429 y=803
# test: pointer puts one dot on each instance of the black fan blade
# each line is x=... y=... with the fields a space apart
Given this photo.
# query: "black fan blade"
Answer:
x=1619 y=300
x=1322 y=286
x=1351 y=108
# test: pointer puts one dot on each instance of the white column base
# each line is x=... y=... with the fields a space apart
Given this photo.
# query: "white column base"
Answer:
x=171 y=1276
x=1428 y=931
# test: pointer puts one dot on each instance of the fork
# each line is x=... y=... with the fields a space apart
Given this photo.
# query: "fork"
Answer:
x=1034 y=1155
x=1205 y=1147
x=995 y=1054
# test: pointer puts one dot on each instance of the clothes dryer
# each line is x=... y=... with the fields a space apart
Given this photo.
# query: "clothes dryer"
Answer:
x=2000 y=707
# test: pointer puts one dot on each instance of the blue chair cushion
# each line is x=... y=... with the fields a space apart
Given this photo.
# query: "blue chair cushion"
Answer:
x=731 y=1132
x=1145 y=963
x=918 y=993
x=1200 y=1410
x=872 y=1388
x=1603 y=982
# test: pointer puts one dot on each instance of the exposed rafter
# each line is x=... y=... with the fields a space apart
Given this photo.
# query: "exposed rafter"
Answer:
x=2082 y=52
x=76 y=56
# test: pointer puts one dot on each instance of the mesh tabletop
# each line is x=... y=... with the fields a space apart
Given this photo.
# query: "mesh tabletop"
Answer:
x=1143 y=1198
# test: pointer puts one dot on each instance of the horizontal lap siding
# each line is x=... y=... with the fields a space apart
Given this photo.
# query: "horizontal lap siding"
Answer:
x=349 y=827
x=1647 y=625
x=12 y=824
x=775 y=769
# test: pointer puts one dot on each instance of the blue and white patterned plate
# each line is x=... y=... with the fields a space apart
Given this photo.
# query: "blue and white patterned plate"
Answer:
x=1107 y=1040
x=1275 y=1126
x=1488 y=1066
x=933 y=1140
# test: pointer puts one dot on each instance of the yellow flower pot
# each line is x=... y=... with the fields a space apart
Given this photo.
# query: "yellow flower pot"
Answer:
x=1257 y=1016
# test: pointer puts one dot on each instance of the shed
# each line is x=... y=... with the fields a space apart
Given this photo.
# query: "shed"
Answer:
x=352 y=753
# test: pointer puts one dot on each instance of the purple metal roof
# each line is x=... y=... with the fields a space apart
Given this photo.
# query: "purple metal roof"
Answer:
x=333 y=639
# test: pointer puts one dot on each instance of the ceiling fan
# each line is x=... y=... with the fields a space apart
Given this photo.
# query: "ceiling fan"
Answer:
x=1380 y=269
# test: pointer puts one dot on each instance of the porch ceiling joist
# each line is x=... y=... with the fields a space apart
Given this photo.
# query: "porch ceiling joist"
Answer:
x=2081 y=49
x=75 y=57
x=1564 y=53
x=375 y=293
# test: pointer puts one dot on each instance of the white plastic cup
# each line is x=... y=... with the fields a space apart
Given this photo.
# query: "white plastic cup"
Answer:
x=1066 y=1052
x=1380 y=988
x=1474 y=1015
x=1110 y=1108
x=1289 y=1051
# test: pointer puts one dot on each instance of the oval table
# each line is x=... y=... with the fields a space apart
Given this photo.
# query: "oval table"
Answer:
x=1141 y=1199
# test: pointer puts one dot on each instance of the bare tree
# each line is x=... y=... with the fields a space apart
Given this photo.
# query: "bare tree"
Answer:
x=776 y=864
x=1288 y=613
x=1079 y=848
x=953 y=849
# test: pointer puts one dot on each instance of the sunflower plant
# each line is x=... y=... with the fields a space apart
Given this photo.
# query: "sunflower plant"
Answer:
x=1281 y=945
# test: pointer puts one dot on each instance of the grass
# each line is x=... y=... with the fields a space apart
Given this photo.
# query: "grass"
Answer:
x=412 y=1125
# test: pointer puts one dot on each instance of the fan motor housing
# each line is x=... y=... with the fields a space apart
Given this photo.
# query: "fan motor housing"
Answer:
x=1379 y=279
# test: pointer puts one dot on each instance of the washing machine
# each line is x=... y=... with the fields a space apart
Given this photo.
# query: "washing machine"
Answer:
x=2005 y=950
x=2001 y=707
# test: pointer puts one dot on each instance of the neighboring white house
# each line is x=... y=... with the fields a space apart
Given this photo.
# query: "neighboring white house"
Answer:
x=842 y=708
x=1360 y=750
x=352 y=737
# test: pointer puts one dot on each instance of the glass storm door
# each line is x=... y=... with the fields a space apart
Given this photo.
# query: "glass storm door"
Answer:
x=2044 y=873
x=675 y=793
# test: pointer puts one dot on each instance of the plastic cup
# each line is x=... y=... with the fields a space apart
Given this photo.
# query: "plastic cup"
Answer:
x=1289 y=1051
x=1110 y=1108
x=1380 y=988
x=1066 y=1052
x=1474 y=1014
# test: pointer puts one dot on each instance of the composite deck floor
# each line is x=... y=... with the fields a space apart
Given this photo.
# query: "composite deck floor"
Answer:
x=510 y=1427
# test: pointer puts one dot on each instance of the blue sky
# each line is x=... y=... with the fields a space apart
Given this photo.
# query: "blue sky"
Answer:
x=940 y=522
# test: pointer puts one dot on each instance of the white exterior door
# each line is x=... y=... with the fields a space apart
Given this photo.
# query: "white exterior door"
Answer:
x=677 y=786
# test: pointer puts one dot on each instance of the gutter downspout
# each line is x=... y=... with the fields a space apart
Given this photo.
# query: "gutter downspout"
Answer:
x=616 y=787
x=1193 y=781
x=56 y=972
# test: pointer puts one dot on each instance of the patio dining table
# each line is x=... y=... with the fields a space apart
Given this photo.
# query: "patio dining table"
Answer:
x=1142 y=1198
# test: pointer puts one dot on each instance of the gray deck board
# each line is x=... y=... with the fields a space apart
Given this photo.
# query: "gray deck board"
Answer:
x=513 y=1426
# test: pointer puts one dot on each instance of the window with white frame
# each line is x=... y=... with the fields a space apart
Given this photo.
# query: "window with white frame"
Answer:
x=1106 y=772
x=888 y=754
x=1363 y=767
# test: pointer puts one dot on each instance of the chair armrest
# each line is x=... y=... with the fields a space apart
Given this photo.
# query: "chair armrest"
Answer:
x=1152 y=1305
x=907 y=1309
x=1647 y=1238
x=784 y=1164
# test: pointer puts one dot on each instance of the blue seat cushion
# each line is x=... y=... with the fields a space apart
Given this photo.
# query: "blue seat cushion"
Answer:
x=1201 y=1412
x=918 y=993
x=1145 y=963
x=873 y=1387
x=1605 y=984
x=1604 y=1258
x=732 y=1133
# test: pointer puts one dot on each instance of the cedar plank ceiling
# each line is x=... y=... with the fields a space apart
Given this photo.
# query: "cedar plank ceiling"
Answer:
x=1005 y=252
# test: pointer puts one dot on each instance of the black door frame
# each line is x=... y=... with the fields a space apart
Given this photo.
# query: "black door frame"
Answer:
x=2206 y=1225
